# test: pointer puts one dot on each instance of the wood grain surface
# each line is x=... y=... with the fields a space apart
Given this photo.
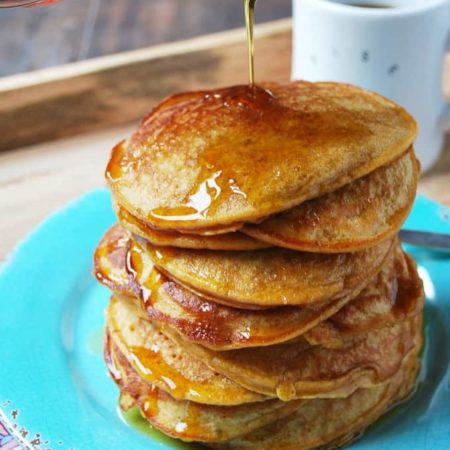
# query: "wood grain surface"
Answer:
x=117 y=89
x=75 y=30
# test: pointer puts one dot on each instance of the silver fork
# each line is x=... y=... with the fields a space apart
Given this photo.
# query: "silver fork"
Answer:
x=435 y=241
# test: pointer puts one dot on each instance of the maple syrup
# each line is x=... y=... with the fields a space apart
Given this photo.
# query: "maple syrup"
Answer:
x=134 y=419
x=249 y=8
x=148 y=279
x=152 y=367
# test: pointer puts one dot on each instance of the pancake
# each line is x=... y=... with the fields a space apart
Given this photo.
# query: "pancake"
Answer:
x=299 y=370
x=218 y=326
x=259 y=425
x=161 y=362
x=113 y=265
x=396 y=296
x=330 y=423
x=130 y=273
x=110 y=260
x=226 y=241
x=356 y=216
x=270 y=277
x=188 y=420
x=210 y=161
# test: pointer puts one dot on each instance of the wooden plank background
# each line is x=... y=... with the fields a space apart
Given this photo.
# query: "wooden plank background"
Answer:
x=118 y=89
x=75 y=30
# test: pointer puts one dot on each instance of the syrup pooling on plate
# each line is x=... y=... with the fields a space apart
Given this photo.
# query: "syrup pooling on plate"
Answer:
x=149 y=403
x=190 y=420
x=188 y=425
x=150 y=406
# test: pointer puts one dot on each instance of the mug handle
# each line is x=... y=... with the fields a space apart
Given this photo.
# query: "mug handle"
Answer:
x=445 y=116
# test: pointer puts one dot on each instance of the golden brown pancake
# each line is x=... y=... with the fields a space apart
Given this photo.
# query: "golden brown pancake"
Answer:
x=330 y=423
x=188 y=420
x=270 y=277
x=356 y=216
x=110 y=260
x=396 y=296
x=226 y=241
x=200 y=321
x=212 y=160
x=299 y=370
x=311 y=422
x=116 y=246
x=160 y=361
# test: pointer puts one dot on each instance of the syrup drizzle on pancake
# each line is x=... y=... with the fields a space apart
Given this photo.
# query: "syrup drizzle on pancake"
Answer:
x=148 y=279
x=150 y=365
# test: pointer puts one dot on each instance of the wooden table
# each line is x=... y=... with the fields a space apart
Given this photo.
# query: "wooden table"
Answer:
x=39 y=179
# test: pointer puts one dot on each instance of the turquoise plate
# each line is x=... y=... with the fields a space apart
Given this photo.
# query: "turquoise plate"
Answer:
x=54 y=390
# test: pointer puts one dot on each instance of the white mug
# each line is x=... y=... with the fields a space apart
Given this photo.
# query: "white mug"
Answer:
x=397 y=51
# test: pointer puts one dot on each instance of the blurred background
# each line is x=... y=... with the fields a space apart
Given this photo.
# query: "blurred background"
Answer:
x=57 y=126
x=74 y=30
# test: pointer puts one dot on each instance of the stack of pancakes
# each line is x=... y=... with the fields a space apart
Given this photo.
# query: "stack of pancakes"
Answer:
x=261 y=299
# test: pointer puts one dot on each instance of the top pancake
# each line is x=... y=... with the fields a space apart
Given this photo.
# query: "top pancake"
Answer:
x=210 y=161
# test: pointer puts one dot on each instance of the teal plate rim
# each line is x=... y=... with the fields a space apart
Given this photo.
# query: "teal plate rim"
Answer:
x=54 y=389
